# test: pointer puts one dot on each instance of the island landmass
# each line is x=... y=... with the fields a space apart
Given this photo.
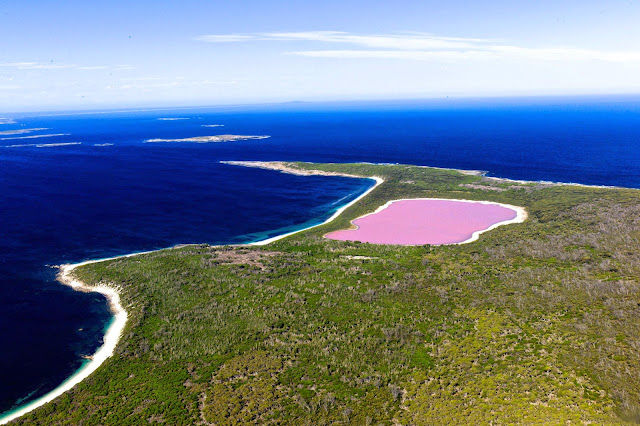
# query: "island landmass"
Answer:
x=534 y=322
x=208 y=139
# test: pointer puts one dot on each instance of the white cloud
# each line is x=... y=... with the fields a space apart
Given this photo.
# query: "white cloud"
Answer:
x=419 y=46
x=225 y=38
x=95 y=67
x=55 y=66
x=567 y=54
x=443 y=55
x=402 y=42
x=408 y=41
x=148 y=83
x=35 y=65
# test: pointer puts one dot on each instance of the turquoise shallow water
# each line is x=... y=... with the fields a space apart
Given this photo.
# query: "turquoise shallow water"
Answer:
x=70 y=203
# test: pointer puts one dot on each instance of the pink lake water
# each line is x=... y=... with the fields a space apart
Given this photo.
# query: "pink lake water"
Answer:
x=417 y=222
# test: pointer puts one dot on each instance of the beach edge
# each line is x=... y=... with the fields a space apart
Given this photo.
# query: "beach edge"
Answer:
x=104 y=352
x=120 y=315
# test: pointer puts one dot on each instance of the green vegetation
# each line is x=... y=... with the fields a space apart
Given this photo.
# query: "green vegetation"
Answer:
x=535 y=323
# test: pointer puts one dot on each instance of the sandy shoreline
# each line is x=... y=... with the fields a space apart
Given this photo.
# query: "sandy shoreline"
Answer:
x=521 y=216
x=110 y=340
x=335 y=215
x=283 y=166
x=114 y=332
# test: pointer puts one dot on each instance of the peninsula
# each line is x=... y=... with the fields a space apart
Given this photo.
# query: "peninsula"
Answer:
x=532 y=322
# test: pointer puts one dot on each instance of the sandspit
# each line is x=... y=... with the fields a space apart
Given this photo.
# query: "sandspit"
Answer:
x=284 y=167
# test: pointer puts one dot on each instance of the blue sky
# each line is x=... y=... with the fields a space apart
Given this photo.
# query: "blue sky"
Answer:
x=90 y=54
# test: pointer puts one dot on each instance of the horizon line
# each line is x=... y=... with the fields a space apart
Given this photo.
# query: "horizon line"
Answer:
x=453 y=98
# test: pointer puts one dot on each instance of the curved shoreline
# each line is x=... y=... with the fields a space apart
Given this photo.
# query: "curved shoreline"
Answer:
x=110 y=340
x=521 y=216
x=115 y=329
x=120 y=315
x=335 y=215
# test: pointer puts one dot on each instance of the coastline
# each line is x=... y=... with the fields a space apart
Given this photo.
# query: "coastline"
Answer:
x=120 y=315
x=283 y=166
x=335 y=215
x=550 y=183
x=110 y=340
x=115 y=329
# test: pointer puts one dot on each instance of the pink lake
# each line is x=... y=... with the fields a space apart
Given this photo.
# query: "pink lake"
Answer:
x=429 y=221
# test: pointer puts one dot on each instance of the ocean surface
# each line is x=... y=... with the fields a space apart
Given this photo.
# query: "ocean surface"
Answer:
x=95 y=189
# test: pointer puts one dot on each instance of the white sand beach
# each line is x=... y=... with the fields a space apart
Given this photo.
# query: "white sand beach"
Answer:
x=119 y=322
x=105 y=351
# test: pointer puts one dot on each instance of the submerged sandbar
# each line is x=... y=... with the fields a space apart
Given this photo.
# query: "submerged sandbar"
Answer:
x=429 y=221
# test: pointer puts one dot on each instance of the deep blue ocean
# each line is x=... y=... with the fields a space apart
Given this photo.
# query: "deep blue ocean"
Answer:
x=110 y=193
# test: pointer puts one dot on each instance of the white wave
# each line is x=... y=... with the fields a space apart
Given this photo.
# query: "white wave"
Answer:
x=102 y=144
x=173 y=118
x=7 y=121
x=213 y=125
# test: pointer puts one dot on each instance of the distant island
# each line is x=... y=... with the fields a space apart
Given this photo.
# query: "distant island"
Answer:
x=533 y=322
x=34 y=136
x=43 y=145
x=207 y=139
x=21 y=131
